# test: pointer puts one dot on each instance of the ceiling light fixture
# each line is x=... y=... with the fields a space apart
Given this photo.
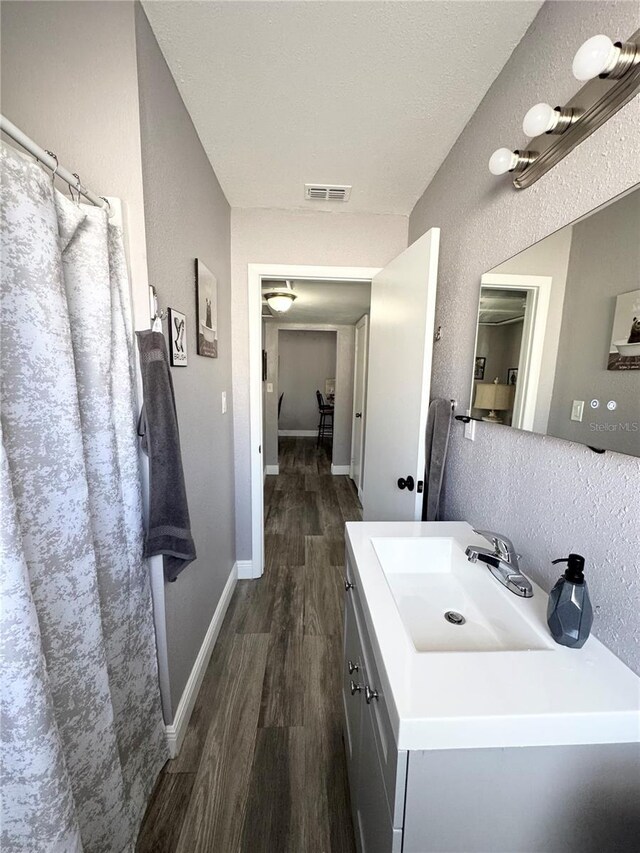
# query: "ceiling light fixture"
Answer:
x=280 y=300
x=600 y=57
x=543 y=118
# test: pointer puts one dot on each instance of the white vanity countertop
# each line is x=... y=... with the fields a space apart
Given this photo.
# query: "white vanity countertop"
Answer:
x=453 y=700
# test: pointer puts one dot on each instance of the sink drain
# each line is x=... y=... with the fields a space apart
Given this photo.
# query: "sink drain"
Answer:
x=454 y=618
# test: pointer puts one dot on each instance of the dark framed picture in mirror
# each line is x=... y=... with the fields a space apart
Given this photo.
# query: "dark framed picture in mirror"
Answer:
x=624 y=352
x=478 y=372
x=559 y=326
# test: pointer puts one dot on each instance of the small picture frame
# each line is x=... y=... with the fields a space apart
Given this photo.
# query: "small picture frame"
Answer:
x=478 y=370
x=177 y=338
x=207 y=310
x=512 y=376
x=624 y=352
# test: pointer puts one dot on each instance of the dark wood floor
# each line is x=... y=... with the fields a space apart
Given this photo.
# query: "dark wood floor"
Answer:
x=262 y=766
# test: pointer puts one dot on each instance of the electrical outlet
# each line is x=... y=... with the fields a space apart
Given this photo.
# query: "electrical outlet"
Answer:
x=269 y=387
x=224 y=402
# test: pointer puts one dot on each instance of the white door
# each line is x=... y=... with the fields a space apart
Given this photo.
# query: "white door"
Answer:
x=403 y=299
x=359 y=389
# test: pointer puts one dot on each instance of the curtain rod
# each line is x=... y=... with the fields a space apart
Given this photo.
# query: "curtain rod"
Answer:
x=50 y=162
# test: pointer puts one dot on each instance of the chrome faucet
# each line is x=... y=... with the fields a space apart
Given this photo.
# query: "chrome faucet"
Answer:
x=502 y=562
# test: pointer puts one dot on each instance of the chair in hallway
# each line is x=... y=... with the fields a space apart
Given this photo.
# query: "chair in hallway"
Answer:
x=325 y=426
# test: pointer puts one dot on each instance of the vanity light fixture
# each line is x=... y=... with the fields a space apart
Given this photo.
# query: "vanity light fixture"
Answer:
x=504 y=160
x=601 y=57
x=543 y=118
x=610 y=73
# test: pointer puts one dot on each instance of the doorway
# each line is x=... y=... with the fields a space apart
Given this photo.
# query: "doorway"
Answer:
x=529 y=324
x=257 y=273
x=359 y=402
x=306 y=367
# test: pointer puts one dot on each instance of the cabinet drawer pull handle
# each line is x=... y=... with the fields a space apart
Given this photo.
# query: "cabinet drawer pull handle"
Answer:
x=353 y=667
x=347 y=586
x=355 y=688
x=370 y=694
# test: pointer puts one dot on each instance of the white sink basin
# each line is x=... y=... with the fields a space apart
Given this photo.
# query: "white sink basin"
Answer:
x=430 y=577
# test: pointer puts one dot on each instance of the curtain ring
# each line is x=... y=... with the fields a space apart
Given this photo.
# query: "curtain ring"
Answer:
x=108 y=206
x=55 y=171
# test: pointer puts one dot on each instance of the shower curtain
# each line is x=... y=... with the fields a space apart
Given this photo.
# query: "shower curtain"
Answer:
x=81 y=727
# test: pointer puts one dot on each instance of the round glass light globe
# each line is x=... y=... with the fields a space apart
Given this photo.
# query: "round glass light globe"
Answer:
x=540 y=119
x=596 y=56
x=502 y=161
x=280 y=302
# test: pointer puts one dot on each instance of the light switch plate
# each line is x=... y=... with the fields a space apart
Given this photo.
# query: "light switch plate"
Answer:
x=577 y=409
x=470 y=430
x=224 y=402
x=269 y=387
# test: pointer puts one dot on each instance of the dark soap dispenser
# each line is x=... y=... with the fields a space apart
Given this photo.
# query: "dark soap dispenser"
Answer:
x=569 y=611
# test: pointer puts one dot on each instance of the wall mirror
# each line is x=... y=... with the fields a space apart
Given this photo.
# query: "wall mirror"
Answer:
x=558 y=335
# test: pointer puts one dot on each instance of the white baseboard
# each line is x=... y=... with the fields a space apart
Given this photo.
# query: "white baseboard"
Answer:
x=177 y=730
x=300 y=432
x=341 y=469
x=272 y=469
x=245 y=570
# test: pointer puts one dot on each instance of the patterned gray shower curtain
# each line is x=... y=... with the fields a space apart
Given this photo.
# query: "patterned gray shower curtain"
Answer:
x=81 y=726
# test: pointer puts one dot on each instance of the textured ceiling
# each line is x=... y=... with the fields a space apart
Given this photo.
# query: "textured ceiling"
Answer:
x=372 y=94
x=334 y=302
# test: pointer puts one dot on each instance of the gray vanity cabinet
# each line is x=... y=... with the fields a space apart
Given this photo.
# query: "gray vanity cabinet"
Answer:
x=560 y=799
x=377 y=792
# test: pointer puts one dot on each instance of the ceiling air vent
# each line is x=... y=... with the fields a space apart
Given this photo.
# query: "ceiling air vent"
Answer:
x=320 y=192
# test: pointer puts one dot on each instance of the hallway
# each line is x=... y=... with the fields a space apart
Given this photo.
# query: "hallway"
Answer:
x=262 y=766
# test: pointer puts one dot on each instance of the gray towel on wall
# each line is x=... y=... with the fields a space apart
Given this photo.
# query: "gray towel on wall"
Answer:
x=169 y=531
x=436 y=444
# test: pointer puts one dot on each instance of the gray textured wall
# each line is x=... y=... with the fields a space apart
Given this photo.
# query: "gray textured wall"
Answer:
x=291 y=237
x=59 y=91
x=187 y=217
x=604 y=262
x=550 y=496
x=305 y=361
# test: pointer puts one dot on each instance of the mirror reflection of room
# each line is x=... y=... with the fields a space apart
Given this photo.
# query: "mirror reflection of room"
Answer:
x=558 y=334
x=500 y=325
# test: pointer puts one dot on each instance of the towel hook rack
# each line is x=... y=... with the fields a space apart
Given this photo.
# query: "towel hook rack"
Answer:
x=157 y=315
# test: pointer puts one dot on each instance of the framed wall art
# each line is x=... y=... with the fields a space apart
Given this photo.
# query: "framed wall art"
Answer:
x=478 y=371
x=624 y=351
x=207 y=310
x=177 y=338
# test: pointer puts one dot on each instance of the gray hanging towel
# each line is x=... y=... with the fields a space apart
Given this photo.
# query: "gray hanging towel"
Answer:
x=436 y=443
x=169 y=531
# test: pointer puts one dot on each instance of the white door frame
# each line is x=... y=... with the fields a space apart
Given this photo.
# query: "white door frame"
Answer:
x=364 y=322
x=255 y=274
x=538 y=290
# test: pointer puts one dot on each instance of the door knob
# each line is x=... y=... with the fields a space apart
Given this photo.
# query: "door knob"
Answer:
x=358 y=414
x=409 y=483
x=370 y=694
